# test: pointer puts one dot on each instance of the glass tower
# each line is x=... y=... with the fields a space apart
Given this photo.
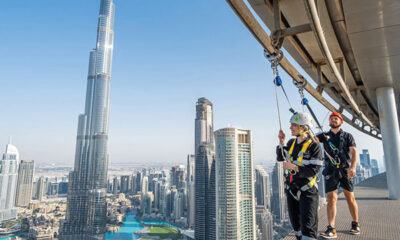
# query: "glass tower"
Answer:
x=190 y=183
x=235 y=185
x=25 y=183
x=262 y=188
x=204 y=180
x=278 y=204
x=8 y=183
x=86 y=204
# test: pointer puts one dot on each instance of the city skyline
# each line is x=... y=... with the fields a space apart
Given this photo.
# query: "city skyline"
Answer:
x=218 y=183
x=138 y=94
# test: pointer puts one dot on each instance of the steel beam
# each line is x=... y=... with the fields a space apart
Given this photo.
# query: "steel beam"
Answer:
x=248 y=19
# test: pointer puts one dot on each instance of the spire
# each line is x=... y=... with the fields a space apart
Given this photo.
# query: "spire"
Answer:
x=9 y=139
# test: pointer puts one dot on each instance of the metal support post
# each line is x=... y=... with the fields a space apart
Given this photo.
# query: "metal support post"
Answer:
x=390 y=138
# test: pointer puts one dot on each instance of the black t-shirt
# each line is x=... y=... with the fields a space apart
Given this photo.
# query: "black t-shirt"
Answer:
x=344 y=153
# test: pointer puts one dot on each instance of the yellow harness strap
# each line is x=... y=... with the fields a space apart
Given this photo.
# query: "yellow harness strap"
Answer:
x=291 y=150
x=301 y=153
x=303 y=150
x=312 y=182
x=300 y=158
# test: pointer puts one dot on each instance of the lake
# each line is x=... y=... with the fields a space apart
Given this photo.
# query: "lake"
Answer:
x=129 y=226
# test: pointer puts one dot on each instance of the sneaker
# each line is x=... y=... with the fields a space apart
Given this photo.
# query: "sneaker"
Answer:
x=355 y=228
x=330 y=233
x=298 y=237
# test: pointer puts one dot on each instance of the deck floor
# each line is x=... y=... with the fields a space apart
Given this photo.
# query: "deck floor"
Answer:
x=379 y=216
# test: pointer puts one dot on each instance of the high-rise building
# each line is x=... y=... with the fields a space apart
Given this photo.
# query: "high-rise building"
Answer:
x=365 y=159
x=8 y=183
x=265 y=223
x=109 y=186
x=235 y=185
x=86 y=203
x=190 y=183
x=157 y=194
x=133 y=184
x=147 y=202
x=125 y=184
x=204 y=123
x=205 y=201
x=116 y=186
x=145 y=185
x=278 y=203
x=40 y=189
x=375 y=167
x=178 y=176
x=25 y=183
x=262 y=188
x=179 y=199
x=139 y=178
x=62 y=188
x=205 y=198
x=53 y=191
x=164 y=201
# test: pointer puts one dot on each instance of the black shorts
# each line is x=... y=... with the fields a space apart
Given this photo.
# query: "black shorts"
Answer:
x=332 y=183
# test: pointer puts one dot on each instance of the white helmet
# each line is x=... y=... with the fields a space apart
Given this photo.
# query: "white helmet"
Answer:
x=302 y=119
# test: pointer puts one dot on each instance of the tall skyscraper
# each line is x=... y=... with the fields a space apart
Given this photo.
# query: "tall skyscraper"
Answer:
x=125 y=184
x=133 y=184
x=40 y=189
x=205 y=198
x=204 y=123
x=139 y=179
x=157 y=194
x=235 y=185
x=178 y=176
x=178 y=203
x=145 y=185
x=365 y=159
x=147 y=202
x=25 y=183
x=265 y=223
x=205 y=205
x=190 y=183
x=375 y=167
x=116 y=186
x=8 y=183
x=278 y=203
x=262 y=188
x=86 y=204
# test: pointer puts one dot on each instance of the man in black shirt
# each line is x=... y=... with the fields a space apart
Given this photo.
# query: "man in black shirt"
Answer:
x=340 y=168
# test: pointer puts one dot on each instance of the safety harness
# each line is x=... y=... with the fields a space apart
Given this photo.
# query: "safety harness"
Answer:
x=300 y=162
x=336 y=151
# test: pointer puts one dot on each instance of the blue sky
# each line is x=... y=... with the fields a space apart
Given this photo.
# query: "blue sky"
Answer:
x=166 y=55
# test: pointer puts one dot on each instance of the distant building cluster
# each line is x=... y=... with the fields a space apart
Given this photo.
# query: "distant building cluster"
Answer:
x=366 y=167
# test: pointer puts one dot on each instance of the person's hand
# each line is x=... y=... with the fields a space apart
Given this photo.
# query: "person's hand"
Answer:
x=290 y=166
x=281 y=137
x=351 y=172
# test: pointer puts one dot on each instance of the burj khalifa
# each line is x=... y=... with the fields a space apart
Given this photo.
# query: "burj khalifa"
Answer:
x=86 y=204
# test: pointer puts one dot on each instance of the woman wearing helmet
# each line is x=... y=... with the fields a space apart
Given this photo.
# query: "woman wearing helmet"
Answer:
x=302 y=159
